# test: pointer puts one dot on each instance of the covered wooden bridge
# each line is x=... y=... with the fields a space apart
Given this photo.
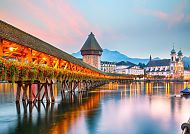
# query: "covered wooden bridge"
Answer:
x=27 y=60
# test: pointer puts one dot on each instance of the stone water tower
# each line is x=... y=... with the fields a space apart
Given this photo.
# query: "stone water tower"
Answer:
x=91 y=52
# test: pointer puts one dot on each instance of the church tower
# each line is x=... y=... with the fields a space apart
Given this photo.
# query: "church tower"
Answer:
x=180 y=65
x=91 y=52
x=173 y=55
x=173 y=63
x=180 y=55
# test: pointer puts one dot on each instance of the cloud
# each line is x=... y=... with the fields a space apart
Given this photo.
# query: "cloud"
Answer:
x=56 y=22
x=171 y=18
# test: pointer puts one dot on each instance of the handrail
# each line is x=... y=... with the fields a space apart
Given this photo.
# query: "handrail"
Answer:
x=186 y=127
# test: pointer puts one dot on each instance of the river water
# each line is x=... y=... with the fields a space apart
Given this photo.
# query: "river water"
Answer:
x=131 y=108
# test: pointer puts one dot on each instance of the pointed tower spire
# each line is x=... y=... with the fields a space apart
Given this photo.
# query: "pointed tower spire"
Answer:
x=91 y=44
x=150 y=57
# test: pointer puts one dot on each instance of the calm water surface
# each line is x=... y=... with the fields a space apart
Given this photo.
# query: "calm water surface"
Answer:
x=132 y=108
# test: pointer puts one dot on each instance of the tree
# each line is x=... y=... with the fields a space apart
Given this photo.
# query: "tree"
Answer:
x=141 y=65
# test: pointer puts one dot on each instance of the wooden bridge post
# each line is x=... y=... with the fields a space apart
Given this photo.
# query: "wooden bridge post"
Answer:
x=51 y=91
x=25 y=107
x=79 y=86
x=30 y=92
x=38 y=91
x=19 y=85
x=62 y=89
x=86 y=85
x=18 y=108
x=30 y=107
x=24 y=88
x=46 y=92
x=75 y=84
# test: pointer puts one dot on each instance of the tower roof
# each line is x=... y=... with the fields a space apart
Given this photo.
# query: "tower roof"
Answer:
x=180 y=53
x=173 y=51
x=91 y=44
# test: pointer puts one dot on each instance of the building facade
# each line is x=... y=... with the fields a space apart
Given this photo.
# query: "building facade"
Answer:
x=91 y=52
x=171 y=68
x=108 y=67
x=128 y=68
x=186 y=74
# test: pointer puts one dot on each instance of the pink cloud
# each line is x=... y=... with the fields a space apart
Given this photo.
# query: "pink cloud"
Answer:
x=56 y=22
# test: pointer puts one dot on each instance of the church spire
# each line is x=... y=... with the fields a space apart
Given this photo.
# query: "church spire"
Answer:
x=150 y=57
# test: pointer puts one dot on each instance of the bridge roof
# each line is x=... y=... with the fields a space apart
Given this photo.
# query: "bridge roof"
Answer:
x=18 y=36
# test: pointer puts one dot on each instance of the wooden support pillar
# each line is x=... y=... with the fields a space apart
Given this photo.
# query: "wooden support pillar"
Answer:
x=25 y=107
x=18 y=108
x=39 y=106
x=24 y=96
x=30 y=107
x=30 y=92
x=62 y=89
x=72 y=86
x=38 y=91
x=46 y=92
x=19 y=85
x=83 y=85
x=47 y=108
x=87 y=86
x=69 y=86
x=67 y=83
x=76 y=85
x=51 y=91
x=79 y=86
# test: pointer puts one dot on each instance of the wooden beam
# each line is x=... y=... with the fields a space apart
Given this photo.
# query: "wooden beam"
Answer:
x=56 y=64
x=29 y=55
x=1 y=49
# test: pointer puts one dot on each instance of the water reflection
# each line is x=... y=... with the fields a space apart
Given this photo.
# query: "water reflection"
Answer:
x=131 y=108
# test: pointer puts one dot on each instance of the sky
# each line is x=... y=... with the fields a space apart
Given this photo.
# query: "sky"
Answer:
x=136 y=28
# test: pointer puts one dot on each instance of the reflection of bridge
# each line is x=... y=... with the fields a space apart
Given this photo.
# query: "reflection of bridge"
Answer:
x=63 y=115
x=27 y=60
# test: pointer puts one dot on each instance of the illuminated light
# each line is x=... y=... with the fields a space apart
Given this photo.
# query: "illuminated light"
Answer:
x=12 y=49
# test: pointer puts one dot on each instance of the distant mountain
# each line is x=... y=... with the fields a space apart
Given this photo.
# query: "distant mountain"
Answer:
x=116 y=56
x=77 y=54
x=186 y=61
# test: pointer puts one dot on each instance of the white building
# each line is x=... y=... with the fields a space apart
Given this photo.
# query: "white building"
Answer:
x=108 y=67
x=128 y=68
x=171 y=68
x=158 y=67
x=186 y=74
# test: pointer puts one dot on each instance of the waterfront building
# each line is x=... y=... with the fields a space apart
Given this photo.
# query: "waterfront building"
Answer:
x=128 y=68
x=171 y=68
x=108 y=67
x=91 y=52
x=158 y=67
x=186 y=74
